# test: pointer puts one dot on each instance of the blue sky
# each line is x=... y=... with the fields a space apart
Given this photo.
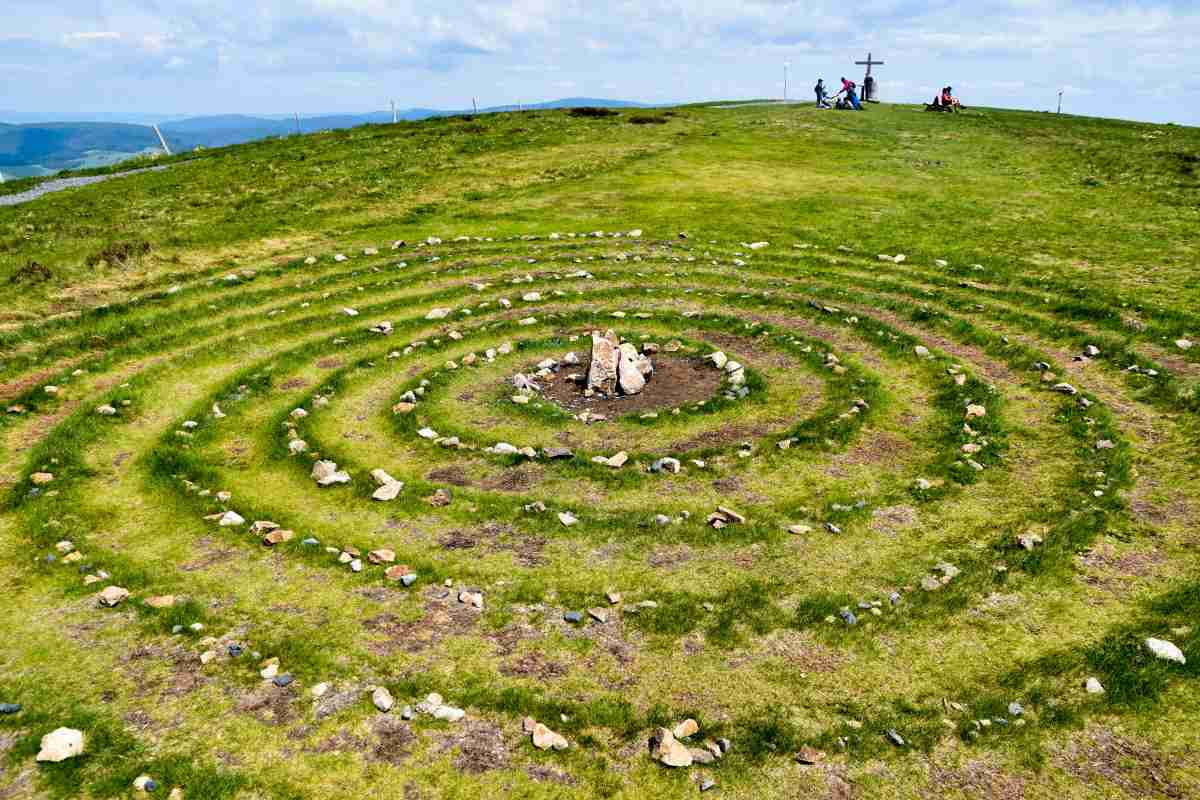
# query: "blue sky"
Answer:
x=1135 y=60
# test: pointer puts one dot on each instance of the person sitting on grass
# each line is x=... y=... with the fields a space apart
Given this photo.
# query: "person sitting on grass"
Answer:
x=822 y=95
x=949 y=101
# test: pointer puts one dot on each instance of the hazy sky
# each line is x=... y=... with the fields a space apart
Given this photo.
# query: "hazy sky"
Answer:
x=1137 y=59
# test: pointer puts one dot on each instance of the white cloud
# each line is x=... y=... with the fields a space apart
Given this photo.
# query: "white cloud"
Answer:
x=92 y=36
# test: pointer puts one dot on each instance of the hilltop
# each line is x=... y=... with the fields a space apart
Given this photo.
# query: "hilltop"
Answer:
x=323 y=475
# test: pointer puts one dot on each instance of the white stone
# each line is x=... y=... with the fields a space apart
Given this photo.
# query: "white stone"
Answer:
x=61 y=744
x=382 y=699
x=231 y=519
x=1165 y=650
x=438 y=313
x=388 y=491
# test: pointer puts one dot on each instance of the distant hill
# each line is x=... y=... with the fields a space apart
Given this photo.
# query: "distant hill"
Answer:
x=39 y=148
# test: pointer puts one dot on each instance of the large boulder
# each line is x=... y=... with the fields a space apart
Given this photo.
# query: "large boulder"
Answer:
x=602 y=375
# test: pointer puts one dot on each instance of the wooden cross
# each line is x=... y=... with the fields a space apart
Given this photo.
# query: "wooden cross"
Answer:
x=869 y=63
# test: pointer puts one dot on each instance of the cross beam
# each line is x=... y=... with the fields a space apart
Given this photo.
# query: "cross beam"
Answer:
x=869 y=63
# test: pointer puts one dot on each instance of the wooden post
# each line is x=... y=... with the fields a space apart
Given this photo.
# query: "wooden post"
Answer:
x=162 y=141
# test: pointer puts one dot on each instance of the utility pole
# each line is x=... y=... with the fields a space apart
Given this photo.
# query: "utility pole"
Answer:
x=162 y=141
x=297 y=123
x=1060 y=94
x=474 y=106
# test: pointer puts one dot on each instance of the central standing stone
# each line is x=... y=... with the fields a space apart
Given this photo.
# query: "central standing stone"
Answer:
x=602 y=375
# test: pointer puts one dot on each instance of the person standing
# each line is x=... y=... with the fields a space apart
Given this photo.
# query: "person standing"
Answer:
x=822 y=95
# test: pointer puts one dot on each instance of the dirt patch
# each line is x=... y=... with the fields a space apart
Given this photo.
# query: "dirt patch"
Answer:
x=535 y=665
x=727 y=435
x=272 y=705
x=676 y=382
x=745 y=347
x=457 y=540
x=211 y=556
x=455 y=476
x=330 y=363
x=183 y=670
x=394 y=740
x=1106 y=569
x=119 y=254
x=1134 y=767
x=797 y=648
x=341 y=742
x=292 y=384
x=515 y=479
x=1157 y=512
x=480 y=745
x=975 y=779
x=443 y=616
x=545 y=774
x=893 y=519
x=669 y=556
x=874 y=448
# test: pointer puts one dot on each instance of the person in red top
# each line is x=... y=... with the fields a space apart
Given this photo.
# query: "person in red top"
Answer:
x=949 y=100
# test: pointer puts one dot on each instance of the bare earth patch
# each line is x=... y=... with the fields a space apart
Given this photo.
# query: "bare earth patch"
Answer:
x=676 y=382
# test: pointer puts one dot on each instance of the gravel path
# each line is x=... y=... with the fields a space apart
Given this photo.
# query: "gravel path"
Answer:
x=59 y=184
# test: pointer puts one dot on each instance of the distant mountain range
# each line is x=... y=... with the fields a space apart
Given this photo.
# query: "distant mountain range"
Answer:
x=40 y=144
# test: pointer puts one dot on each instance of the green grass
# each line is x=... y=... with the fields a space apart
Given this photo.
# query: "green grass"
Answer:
x=1027 y=238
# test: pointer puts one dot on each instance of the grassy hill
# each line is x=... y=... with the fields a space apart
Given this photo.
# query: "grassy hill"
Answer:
x=959 y=460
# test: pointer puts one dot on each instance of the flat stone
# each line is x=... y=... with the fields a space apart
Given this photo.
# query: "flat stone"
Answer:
x=388 y=491
x=60 y=744
x=546 y=739
x=448 y=713
x=689 y=727
x=809 y=756
x=666 y=749
x=112 y=595
x=1165 y=650
x=1093 y=686
x=161 y=601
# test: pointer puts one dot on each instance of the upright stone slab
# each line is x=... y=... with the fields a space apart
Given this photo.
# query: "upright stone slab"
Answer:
x=602 y=375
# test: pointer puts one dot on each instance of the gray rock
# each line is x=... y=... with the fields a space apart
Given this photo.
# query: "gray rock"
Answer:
x=602 y=374
x=895 y=738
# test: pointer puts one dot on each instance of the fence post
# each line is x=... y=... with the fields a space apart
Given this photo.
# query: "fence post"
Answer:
x=162 y=141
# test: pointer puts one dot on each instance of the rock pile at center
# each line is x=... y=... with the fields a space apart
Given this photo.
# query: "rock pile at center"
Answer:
x=616 y=368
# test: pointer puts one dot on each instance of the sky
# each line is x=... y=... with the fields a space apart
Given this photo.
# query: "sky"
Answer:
x=1134 y=60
